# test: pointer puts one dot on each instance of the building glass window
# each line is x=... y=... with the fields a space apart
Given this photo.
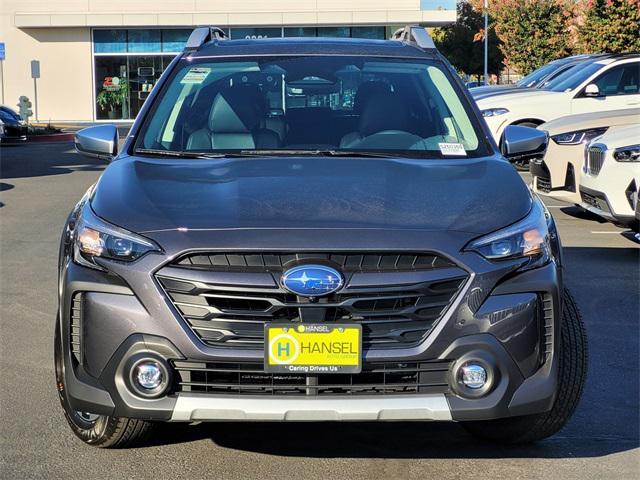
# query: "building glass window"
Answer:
x=129 y=62
x=374 y=33
x=174 y=39
x=112 y=87
x=252 y=33
x=109 y=41
x=143 y=41
x=300 y=32
x=334 y=31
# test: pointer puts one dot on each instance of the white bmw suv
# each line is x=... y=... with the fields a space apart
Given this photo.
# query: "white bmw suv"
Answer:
x=611 y=176
x=612 y=83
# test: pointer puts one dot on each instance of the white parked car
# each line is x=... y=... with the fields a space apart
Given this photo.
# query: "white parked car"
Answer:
x=611 y=176
x=558 y=174
x=610 y=83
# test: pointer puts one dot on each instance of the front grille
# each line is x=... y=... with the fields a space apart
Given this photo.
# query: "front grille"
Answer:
x=382 y=378
x=594 y=159
x=349 y=262
x=544 y=184
x=234 y=315
x=594 y=201
x=75 y=329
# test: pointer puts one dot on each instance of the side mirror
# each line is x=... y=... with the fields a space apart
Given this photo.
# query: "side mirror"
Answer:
x=98 y=142
x=521 y=142
x=591 y=90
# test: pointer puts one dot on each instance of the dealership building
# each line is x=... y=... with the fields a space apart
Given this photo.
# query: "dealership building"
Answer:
x=78 y=49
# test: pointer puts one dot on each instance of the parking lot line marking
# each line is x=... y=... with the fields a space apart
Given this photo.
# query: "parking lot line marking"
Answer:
x=606 y=232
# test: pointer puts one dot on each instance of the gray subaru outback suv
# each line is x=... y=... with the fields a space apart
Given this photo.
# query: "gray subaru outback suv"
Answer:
x=313 y=230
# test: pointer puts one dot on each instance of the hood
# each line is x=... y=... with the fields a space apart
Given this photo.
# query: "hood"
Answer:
x=145 y=195
x=479 y=92
x=622 y=137
x=490 y=88
x=519 y=98
x=585 y=121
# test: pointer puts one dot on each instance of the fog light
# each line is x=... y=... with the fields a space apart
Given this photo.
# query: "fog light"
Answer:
x=148 y=375
x=473 y=375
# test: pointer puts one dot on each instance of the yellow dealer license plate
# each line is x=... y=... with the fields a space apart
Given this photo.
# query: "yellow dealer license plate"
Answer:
x=312 y=348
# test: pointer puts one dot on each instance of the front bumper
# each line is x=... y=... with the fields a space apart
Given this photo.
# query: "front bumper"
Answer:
x=202 y=407
x=599 y=204
x=496 y=317
x=556 y=176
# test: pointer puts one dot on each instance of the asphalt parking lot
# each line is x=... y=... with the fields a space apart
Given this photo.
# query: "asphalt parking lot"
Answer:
x=38 y=187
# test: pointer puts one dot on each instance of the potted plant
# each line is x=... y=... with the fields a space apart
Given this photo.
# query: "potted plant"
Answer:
x=113 y=95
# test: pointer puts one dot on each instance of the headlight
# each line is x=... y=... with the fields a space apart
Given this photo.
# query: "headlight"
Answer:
x=529 y=238
x=494 y=112
x=578 y=137
x=95 y=238
x=627 y=154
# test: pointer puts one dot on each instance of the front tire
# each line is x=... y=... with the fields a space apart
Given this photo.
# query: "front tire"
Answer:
x=98 y=430
x=572 y=373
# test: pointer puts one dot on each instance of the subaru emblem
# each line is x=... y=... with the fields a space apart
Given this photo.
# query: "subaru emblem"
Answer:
x=312 y=280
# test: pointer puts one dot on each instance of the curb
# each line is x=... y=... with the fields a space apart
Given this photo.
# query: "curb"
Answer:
x=53 y=137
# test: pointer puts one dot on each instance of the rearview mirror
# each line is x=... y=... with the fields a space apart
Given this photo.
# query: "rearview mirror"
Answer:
x=591 y=90
x=98 y=142
x=521 y=142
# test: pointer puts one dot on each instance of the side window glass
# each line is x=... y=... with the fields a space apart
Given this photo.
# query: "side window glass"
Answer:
x=623 y=80
x=608 y=82
x=630 y=82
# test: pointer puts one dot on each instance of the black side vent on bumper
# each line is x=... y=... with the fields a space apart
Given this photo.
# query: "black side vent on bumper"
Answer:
x=75 y=330
x=395 y=308
x=546 y=339
x=250 y=379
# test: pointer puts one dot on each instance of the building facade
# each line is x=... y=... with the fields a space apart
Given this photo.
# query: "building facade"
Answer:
x=99 y=59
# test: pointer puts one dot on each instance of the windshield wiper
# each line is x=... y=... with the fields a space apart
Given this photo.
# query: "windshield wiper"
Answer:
x=326 y=153
x=187 y=154
x=257 y=153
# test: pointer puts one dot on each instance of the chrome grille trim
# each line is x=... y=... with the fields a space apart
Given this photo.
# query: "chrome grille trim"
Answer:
x=594 y=159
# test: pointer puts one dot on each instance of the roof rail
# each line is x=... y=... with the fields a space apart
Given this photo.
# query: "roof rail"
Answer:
x=202 y=35
x=414 y=34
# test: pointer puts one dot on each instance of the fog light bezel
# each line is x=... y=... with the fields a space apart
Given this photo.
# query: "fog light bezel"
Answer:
x=138 y=389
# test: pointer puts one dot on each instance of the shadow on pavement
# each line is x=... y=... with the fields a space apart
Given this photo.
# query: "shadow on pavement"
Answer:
x=577 y=212
x=39 y=160
x=604 y=282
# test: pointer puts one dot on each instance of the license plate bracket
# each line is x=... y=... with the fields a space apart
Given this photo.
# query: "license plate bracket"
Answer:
x=313 y=348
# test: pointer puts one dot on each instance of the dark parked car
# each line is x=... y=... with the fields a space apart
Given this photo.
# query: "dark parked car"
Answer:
x=12 y=128
x=313 y=230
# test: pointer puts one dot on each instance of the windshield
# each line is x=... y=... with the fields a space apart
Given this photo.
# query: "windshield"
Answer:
x=574 y=77
x=8 y=116
x=534 y=77
x=311 y=105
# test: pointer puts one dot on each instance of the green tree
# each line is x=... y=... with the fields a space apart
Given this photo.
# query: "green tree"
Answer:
x=609 y=26
x=532 y=32
x=462 y=43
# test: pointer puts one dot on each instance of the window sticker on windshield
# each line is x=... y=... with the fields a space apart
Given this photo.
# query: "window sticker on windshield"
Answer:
x=452 y=149
x=196 y=75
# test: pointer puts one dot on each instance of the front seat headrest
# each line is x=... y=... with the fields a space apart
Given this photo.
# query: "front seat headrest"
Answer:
x=234 y=110
x=366 y=92
x=384 y=112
